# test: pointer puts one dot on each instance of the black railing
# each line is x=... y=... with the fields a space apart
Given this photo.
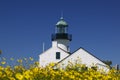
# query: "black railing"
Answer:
x=61 y=36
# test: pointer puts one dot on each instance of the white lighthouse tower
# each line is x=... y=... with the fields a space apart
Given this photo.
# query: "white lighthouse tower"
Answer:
x=61 y=37
x=60 y=45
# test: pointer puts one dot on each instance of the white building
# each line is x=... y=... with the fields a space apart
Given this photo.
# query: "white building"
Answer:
x=59 y=52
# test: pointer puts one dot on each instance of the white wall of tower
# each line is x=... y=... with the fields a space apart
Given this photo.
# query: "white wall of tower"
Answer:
x=63 y=44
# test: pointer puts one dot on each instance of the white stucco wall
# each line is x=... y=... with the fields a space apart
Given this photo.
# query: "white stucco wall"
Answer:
x=49 y=56
x=83 y=57
x=63 y=44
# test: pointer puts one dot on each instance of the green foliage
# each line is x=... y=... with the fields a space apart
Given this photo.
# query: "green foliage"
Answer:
x=108 y=62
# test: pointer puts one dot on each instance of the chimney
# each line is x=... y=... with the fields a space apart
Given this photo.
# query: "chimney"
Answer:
x=54 y=43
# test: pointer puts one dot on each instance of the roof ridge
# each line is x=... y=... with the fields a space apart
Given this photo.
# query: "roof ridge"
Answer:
x=77 y=50
x=63 y=50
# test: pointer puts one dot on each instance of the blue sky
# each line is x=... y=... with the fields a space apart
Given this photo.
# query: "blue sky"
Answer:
x=26 y=24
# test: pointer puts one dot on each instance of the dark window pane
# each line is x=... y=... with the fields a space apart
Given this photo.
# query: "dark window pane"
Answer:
x=57 y=55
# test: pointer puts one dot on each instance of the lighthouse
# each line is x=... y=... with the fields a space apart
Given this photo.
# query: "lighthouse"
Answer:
x=60 y=53
x=60 y=45
x=61 y=38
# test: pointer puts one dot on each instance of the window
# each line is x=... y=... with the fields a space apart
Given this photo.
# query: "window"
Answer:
x=57 y=55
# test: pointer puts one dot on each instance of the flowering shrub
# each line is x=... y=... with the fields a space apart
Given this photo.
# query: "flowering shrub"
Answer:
x=33 y=72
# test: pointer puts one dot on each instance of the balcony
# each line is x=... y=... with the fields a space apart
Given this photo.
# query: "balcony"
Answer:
x=61 y=36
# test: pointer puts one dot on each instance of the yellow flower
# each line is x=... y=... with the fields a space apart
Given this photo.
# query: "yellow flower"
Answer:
x=72 y=77
x=19 y=60
x=19 y=76
x=27 y=74
x=11 y=59
x=36 y=69
x=11 y=78
x=1 y=73
x=66 y=74
x=36 y=63
x=31 y=58
x=3 y=62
